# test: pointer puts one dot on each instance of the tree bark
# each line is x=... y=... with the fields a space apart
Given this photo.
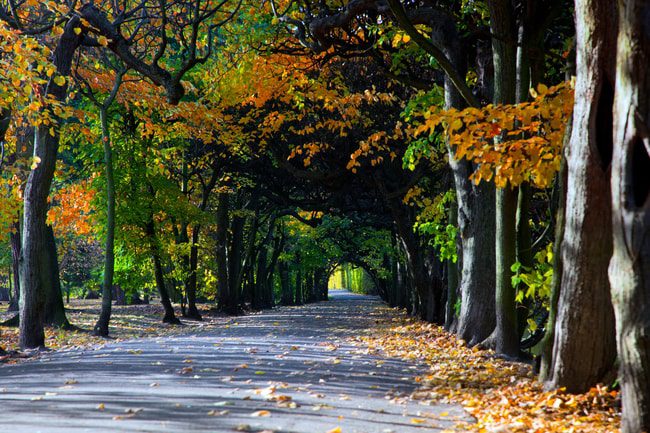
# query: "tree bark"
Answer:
x=475 y=218
x=54 y=311
x=35 y=202
x=101 y=327
x=629 y=270
x=15 y=267
x=584 y=346
x=504 y=338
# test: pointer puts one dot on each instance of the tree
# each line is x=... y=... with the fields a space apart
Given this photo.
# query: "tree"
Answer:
x=583 y=349
x=91 y=25
x=629 y=269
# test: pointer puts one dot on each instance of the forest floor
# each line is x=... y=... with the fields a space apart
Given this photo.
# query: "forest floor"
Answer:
x=346 y=365
x=127 y=322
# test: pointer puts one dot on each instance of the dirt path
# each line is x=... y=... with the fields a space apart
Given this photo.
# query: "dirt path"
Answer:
x=285 y=370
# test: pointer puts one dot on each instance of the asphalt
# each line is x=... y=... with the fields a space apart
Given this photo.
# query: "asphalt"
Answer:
x=290 y=369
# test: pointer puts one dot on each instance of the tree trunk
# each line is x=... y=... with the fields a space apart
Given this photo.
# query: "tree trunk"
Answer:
x=224 y=297
x=170 y=316
x=15 y=267
x=475 y=205
x=476 y=212
x=285 y=284
x=54 y=311
x=235 y=262
x=524 y=251
x=427 y=285
x=36 y=192
x=452 y=281
x=558 y=267
x=190 y=282
x=298 y=286
x=583 y=348
x=190 y=285
x=101 y=327
x=629 y=270
x=504 y=338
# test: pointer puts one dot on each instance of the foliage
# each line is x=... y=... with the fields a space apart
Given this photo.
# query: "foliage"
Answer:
x=508 y=143
x=433 y=221
x=535 y=283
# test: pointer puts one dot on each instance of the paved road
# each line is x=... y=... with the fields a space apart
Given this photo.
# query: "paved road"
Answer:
x=285 y=370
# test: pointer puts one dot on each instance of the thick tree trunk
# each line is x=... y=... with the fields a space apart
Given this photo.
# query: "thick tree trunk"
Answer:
x=475 y=217
x=101 y=327
x=54 y=311
x=629 y=270
x=583 y=347
x=278 y=246
x=35 y=211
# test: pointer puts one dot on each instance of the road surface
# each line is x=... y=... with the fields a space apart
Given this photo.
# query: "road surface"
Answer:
x=290 y=369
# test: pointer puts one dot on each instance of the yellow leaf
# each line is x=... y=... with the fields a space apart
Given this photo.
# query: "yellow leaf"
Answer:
x=59 y=80
x=35 y=163
x=455 y=125
x=542 y=89
x=261 y=413
x=103 y=41
x=335 y=430
x=77 y=31
x=406 y=38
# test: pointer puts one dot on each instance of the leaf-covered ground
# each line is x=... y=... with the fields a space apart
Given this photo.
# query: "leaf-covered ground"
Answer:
x=502 y=396
x=127 y=322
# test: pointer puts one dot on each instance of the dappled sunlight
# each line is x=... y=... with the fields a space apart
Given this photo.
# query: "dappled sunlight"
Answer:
x=300 y=368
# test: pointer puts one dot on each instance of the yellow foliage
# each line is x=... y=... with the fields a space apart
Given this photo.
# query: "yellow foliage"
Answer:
x=508 y=143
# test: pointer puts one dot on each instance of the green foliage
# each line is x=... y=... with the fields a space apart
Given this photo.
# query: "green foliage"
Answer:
x=535 y=283
x=433 y=222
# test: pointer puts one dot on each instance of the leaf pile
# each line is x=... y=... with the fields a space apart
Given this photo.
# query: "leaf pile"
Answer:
x=502 y=396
